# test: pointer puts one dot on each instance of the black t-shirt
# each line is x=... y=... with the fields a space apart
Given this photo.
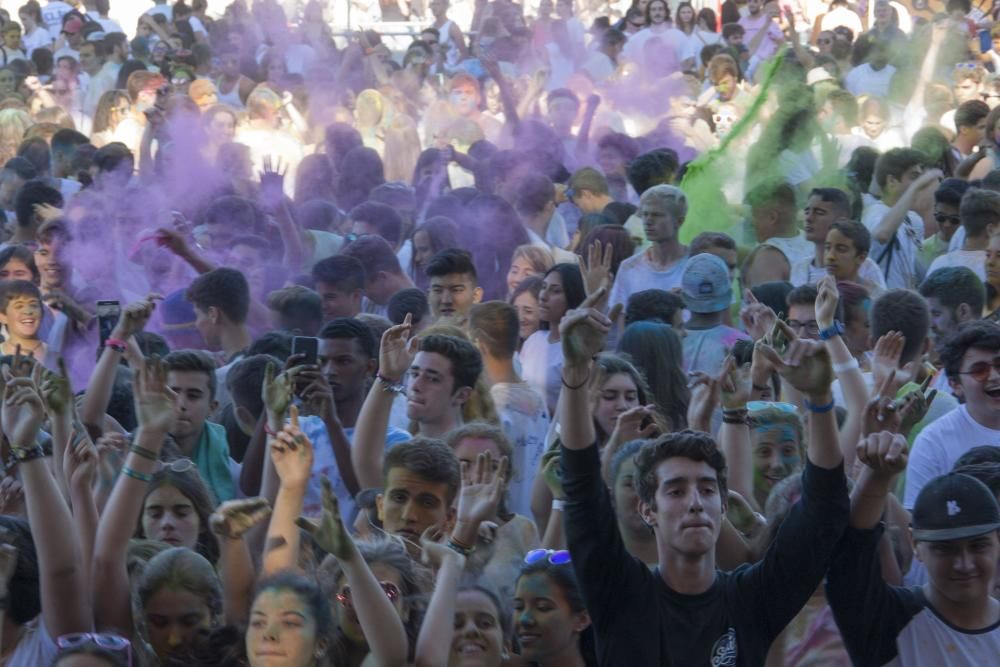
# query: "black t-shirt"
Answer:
x=892 y=625
x=639 y=621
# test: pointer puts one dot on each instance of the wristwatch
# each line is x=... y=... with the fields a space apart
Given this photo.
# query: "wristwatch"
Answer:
x=832 y=331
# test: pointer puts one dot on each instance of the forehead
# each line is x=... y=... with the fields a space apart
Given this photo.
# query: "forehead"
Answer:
x=451 y=280
x=684 y=468
x=801 y=311
x=974 y=354
x=475 y=602
x=835 y=236
x=167 y=495
x=415 y=483
x=620 y=382
x=188 y=380
x=553 y=280
x=23 y=301
x=329 y=347
x=279 y=600
x=433 y=361
x=472 y=446
x=775 y=433
x=168 y=601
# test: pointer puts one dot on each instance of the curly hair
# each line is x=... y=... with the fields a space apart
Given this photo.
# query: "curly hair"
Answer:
x=687 y=444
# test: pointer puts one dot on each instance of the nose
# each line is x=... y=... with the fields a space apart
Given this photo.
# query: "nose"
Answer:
x=525 y=618
x=696 y=506
x=409 y=513
x=964 y=562
x=174 y=638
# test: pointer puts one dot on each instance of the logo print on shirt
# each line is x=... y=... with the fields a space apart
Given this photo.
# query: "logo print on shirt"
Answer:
x=953 y=508
x=724 y=650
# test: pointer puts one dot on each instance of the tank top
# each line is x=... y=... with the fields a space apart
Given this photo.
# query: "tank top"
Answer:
x=444 y=38
x=232 y=98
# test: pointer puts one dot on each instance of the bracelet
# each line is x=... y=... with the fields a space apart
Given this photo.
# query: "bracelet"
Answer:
x=558 y=505
x=579 y=386
x=116 y=344
x=845 y=366
x=269 y=430
x=389 y=386
x=144 y=453
x=734 y=420
x=819 y=409
x=459 y=549
x=141 y=476
x=832 y=331
x=761 y=387
x=25 y=454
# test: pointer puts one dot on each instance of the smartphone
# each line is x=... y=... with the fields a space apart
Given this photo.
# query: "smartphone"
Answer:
x=308 y=347
x=108 y=313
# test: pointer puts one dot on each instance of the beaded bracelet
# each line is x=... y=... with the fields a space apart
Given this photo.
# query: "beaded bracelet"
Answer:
x=141 y=476
x=459 y=549
x=143 y=452
x=25 y=454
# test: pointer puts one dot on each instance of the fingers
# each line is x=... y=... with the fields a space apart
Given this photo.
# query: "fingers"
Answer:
x=307 y=525
x=483 y=462
x=594 y=298
x=616 y=311
x=293 y=414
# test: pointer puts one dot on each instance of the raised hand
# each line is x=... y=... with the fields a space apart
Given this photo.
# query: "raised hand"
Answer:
x=154 y=400
x=804 y=364
x=758 y=319
x=885 y=361
x=55 y=390
x=482 y=489
x=135 y=317
x=233 y=518
x=80 y=464
x=881 y=411
x=292 y=454
x=173 y=240
x=827 y=299
x=596 y=270
x=22 y=411
x=884 y=452
x=397 y=351
x=318 y=395
x=330 y=533
x=915 y=406
x=433 y=552
x=552 y=474
x=277 y=392
x=706 y=392
x=584 y=330
x=734 y=381
x=629 y=425
x=272 y=184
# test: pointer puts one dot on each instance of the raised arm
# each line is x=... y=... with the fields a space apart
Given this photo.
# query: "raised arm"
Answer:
x=395 y=356
x=230 y=522
x=95 y=400
x=734 y=435
x=318 y=396
x=292 y=456
x=65 y=608
x=886 y=228
x=57 y=398
x=272 y=199
x=154 y=407
x=438 y=628
x=377 y=616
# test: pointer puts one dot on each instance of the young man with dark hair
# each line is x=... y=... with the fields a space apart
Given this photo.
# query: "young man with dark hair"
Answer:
x=31 y=195
x=953 y=619
x=493 y=327
x=296 y=309
x=420 y=480
x=823 y=207
x=687 y=611
x=979 y=214
x=970 y=123
x=413 y=302
x=440 y=372
x=191 y=375
x=536 y=204
x=656 y=167
x=801 y=302
x=340 y=282
x=896 y=229
x=846 y=252
x=383 y=274
x=588 y=190
x=707 y=292
x=947 y=200
x=655 y=305
x=782 y=246
x=971 y=360
x=955 y=295
x=378 y=219
x=221 y=300
x=454 y=286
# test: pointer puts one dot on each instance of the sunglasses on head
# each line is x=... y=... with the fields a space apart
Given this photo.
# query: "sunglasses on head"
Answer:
x=177 y=465
x=560 y=557
x=106 y=641
x=982 y=370
x=390 y=589
x=753 y=406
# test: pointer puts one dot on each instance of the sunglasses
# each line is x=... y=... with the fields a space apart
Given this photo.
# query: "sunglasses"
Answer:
x=941 y=219
x=560 y=557
x=108 y=642
x=981 y=370
x=177 y=465
x=390 y=589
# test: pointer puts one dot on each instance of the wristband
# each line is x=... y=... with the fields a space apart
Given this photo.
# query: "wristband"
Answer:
x=389 y=386
x=832 y=331
x=819 y=409
x=558 y=505
x=144 y=453
x=116 y=344
x=141 y=476
x=460 y=549
x=269 y=430
x=25 y=454
x=761 y=387
x=845 y=366
x=572 y=387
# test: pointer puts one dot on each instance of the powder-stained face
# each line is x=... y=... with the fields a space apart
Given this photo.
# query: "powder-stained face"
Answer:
x=543 y=621
x=478 y=638
x=777 y=453
x=173 y=617
x=282 y=631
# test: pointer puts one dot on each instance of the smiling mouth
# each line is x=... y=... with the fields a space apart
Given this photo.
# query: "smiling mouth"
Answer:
x=466 y=648
x=992 y=393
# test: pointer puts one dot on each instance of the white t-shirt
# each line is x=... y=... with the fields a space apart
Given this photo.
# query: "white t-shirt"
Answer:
x=39 y=38
x=541 y=367
x=970 y=259
x=164 y=9
x=52 y=14
x=525 y=422
x=794 y=248
x=938 y=447
x=636 y=274
x=903 y=264
x=863 y=80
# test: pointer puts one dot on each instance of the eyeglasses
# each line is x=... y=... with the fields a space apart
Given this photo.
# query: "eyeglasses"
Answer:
x=942 y=218
x=811 y=327
x=560 y=557
x=823 y=42
x=981 y=370
x=177 y=465
x=108 y=642
x=390 y=589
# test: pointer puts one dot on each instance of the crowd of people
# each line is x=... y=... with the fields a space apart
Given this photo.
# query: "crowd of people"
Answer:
x=557 y=334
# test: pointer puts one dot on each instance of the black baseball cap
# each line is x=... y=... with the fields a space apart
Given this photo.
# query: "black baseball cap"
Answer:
x=953 y=507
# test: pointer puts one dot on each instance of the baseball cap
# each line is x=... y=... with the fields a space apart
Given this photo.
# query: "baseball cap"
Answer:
x=705 y=284
x=953 y=507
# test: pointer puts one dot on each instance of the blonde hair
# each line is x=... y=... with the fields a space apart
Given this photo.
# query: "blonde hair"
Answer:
x=14 y=123
x=540 y=259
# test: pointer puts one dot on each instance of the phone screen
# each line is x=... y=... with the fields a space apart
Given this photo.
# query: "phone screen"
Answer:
x=307 y=346
x=108 y=313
